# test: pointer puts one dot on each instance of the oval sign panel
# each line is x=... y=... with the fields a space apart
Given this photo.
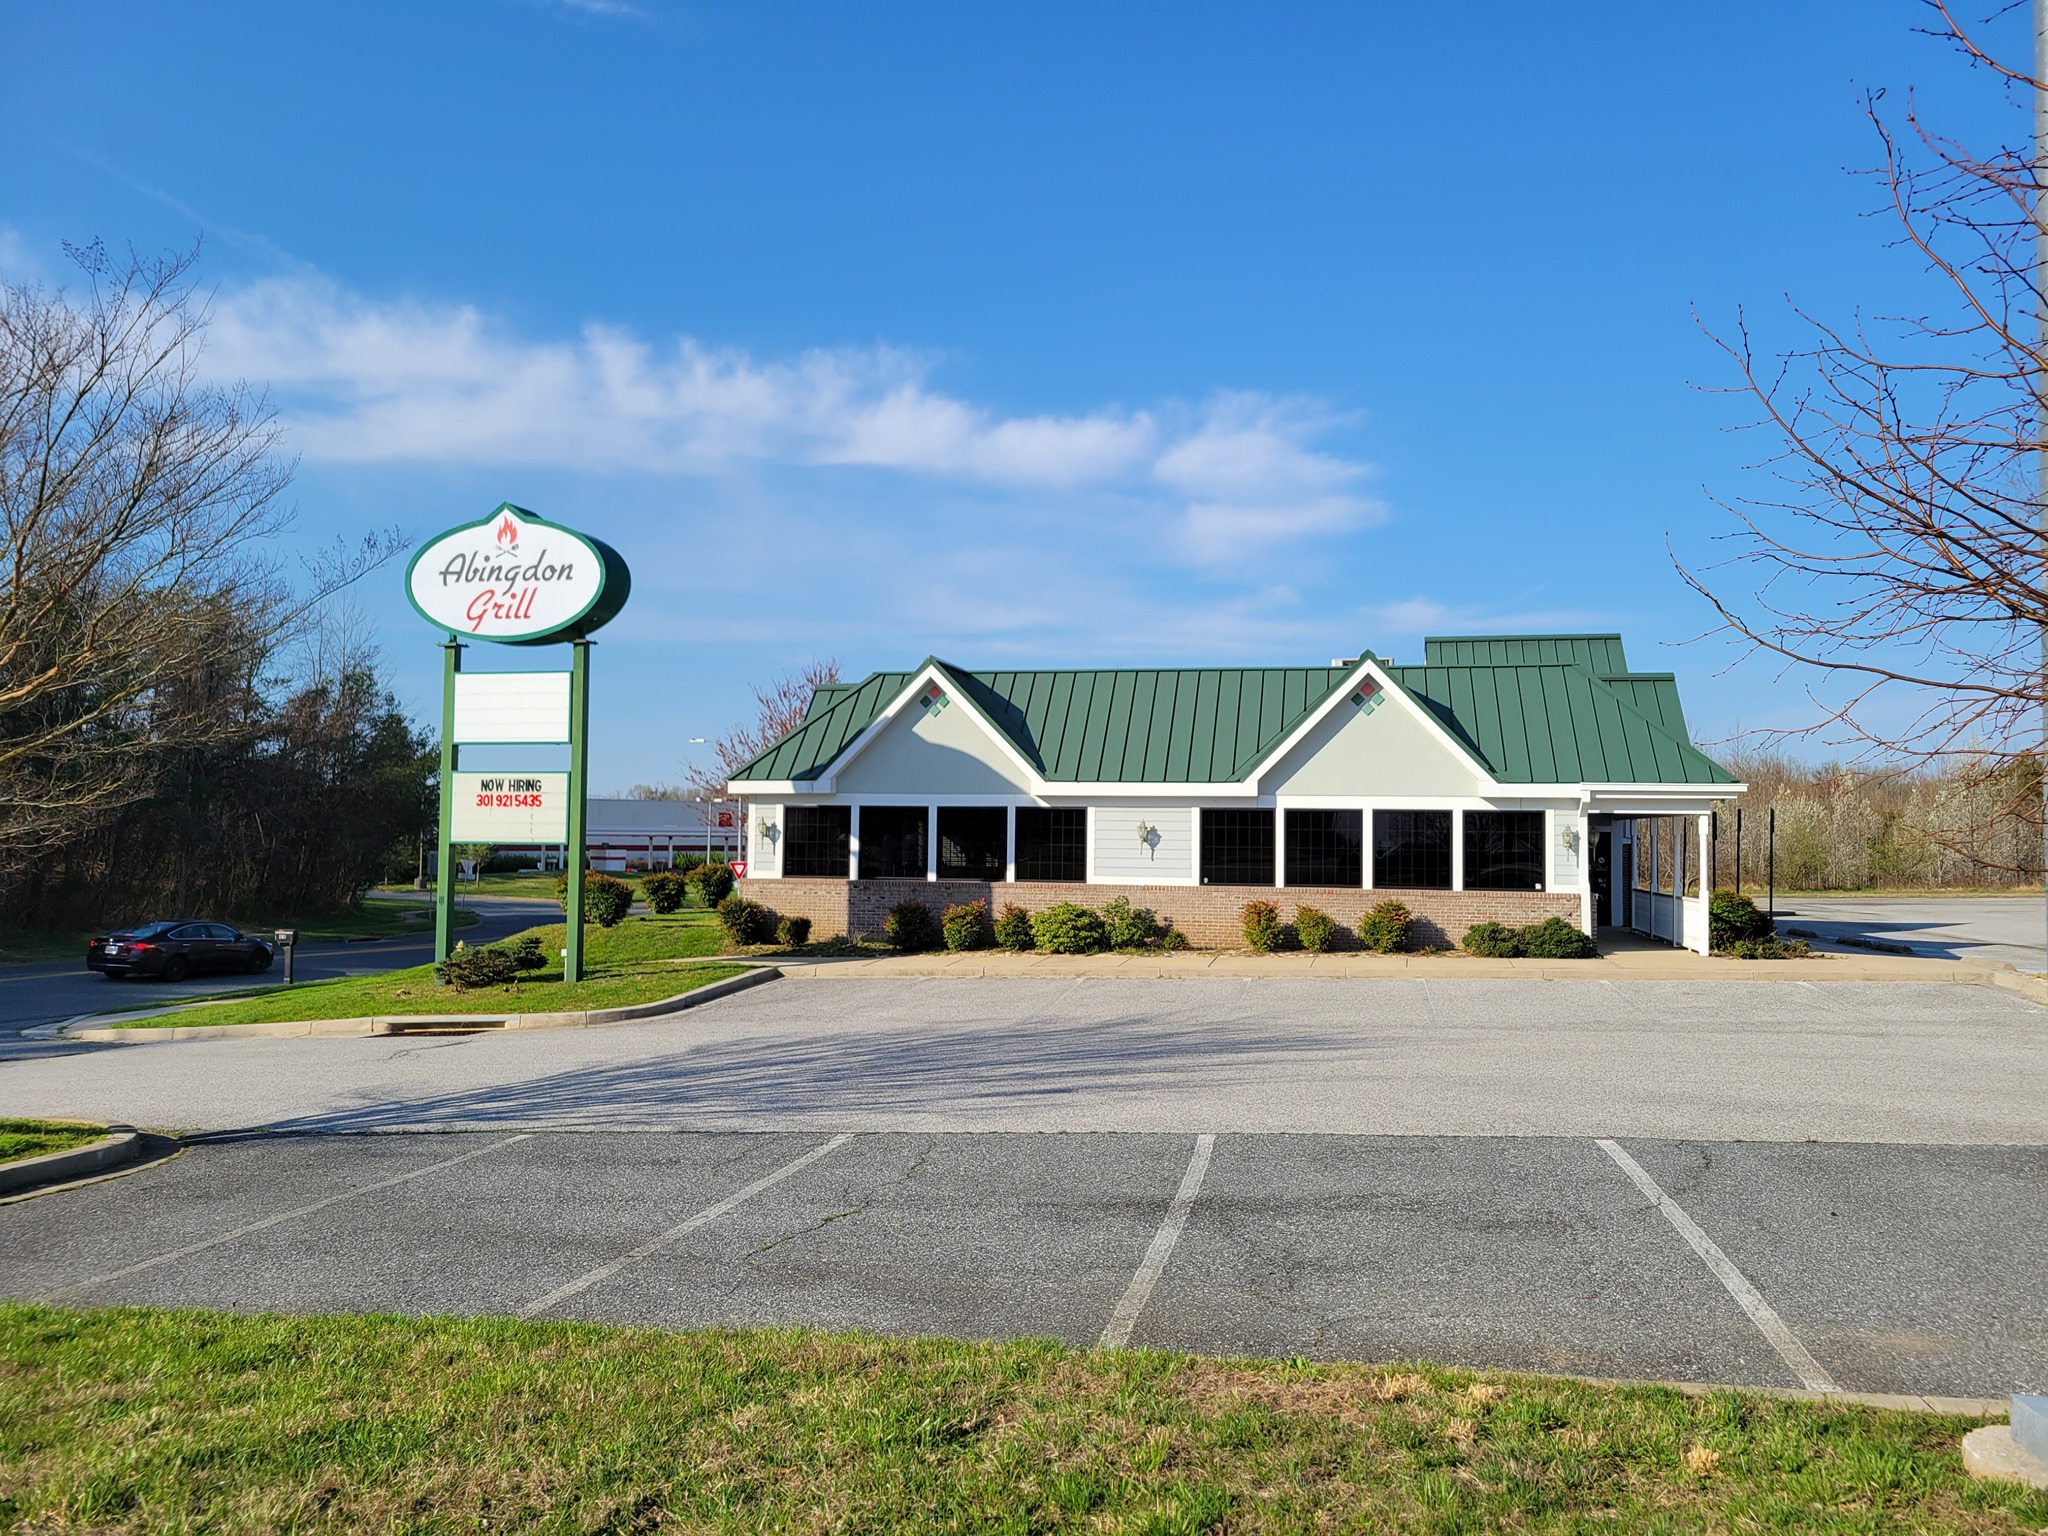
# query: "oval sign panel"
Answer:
x=517 y=579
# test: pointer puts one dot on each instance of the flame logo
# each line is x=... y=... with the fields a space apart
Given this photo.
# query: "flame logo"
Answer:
x=508 y=531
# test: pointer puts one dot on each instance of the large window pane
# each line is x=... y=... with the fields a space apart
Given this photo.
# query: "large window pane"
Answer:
x=1237 y=847
x=814 y=840
x=971 y=839
x=1503 y=850
x=1325 y=847
x=892 y=842
x=1052 y=844
x=1411 y=850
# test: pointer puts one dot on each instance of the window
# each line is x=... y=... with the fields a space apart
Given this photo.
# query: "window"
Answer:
x=1237 y=847
x=1052 y=845
x=892 y=842
x=971 y=842
x=1503 y=850
x=1325 y=847
x=1411 y=850
x=815 y=839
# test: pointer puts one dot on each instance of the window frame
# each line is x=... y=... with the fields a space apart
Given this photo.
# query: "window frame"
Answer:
x=790 y=815
x=917 y=816
x=1535 y=855
x=1381 y=878
x=1295 y=835
x=1071 y=844
x=997 y=854
x=1235 y=851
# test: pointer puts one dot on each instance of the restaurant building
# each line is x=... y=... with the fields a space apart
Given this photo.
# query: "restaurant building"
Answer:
x=1505 y=778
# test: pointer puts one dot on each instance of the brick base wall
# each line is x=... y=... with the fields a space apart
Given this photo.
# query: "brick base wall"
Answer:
x=1207 y=914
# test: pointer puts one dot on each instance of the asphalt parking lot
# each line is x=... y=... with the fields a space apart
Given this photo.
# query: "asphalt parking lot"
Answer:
x=1531 y=1253
x=1492 y=1173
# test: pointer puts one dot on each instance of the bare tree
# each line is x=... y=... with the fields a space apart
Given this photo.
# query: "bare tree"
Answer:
x=781 y=707
x=140 y=587
x=1902 y=558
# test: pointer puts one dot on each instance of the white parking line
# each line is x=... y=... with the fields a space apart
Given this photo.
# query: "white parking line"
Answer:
x=1769 y=1324
x=709 y=1214
x=1125 y=1318
x=282 y=1216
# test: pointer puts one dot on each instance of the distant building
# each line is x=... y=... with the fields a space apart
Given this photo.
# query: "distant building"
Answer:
x=1506 y=778
x=649 y=832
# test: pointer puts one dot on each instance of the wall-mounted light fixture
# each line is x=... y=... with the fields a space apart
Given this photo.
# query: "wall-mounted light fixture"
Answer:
x=1148 y=838
x=1571 y=839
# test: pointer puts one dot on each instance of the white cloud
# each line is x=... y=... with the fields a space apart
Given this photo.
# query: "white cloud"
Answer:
x=368 y=382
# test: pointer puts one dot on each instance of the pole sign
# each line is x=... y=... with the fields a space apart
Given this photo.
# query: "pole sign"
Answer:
x=511 y=808
x=516 y=579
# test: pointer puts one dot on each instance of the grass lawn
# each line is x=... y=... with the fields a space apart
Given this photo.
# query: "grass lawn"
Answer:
x=143 y=1420
x=642 y=960
x=32 y=1138
x=524 y=882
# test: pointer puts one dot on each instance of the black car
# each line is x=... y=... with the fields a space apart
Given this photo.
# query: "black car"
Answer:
x=177 y=950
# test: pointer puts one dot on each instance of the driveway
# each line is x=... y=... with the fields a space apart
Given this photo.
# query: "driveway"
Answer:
x=2002 y=929
x=42 y=992
x=1836 y=1186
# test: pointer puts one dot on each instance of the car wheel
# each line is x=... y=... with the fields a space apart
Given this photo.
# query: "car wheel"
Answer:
x=259 y=962
x=177 y=968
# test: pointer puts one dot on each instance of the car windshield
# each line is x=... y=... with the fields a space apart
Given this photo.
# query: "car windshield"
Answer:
x=152 y=930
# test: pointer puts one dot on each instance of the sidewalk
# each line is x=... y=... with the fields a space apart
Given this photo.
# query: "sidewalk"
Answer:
x=1623 y=963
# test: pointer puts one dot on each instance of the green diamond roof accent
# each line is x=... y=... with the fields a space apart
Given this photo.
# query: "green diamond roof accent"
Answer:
x=1566 y=712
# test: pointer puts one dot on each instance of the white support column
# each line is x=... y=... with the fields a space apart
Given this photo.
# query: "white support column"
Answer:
x=853 y=843
x=1195 y=850
x=931 y=842
x=1703 y=940
x=1010 y=844
x=1365 y=847
x=1279 y=849
x=1089 y=866
x=1457 y=850
x=1588 y=918
x=1655 y=850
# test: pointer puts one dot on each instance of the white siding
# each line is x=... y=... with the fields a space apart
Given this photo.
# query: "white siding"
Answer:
x=1564 y=858
x=925 y=753
x=764 y=853
x=1167 y=856
x=1386 y=752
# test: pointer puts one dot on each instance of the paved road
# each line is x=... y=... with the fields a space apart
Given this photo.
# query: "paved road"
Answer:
x=1710 y=1061
x=2003 y=929
x=40 y=992
x=1911 y=1270
x=876 y=1154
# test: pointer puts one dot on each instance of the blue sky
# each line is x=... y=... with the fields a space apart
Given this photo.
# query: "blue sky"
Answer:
x=1071 y=334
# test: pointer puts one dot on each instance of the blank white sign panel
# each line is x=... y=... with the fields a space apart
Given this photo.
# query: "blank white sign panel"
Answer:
x=511 y=706
x=511 y=808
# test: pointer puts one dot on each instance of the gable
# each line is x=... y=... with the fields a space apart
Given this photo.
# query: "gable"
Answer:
x=1381 y=748
x=941 y=751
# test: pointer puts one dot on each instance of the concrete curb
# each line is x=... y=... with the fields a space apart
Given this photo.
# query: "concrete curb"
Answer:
x=120 y=1145
x=398 y=1024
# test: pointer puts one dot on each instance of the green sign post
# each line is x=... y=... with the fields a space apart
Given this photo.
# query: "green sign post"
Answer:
x=515 y=579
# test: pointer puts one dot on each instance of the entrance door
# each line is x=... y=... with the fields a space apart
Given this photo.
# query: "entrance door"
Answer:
x=1603 y=877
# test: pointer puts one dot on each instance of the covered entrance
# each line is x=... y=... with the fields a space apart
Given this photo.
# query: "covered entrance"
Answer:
x=1649 y=875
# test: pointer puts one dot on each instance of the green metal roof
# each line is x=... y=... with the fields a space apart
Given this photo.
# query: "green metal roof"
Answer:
x=1600 y=655
x=1538 y=720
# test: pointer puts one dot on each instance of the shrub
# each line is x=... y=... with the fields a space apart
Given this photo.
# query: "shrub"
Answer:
x=1263 y=930
x=1497 y=941
x=744 y=921
x=909 y=926
x=711 y=883
x=793 y=931
x=1068 y=929
x=1556 y=939
x=1732 y=919
x=1173 y=940
x=664 y=890
x=1385 y=929
x=1770 y=949
x=526 y=953
x=965 y=925
x=1316 y=929
x=1013 y=927
x=468 y=968
x=685 y=862
x=606 y=899
x=1126 y=926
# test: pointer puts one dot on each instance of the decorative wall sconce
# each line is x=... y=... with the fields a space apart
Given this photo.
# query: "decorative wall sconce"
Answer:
x=1570 y=838
x=1148 y=838
x=770 y=832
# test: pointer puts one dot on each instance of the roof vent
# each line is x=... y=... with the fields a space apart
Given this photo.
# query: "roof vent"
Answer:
x=1343 y=661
